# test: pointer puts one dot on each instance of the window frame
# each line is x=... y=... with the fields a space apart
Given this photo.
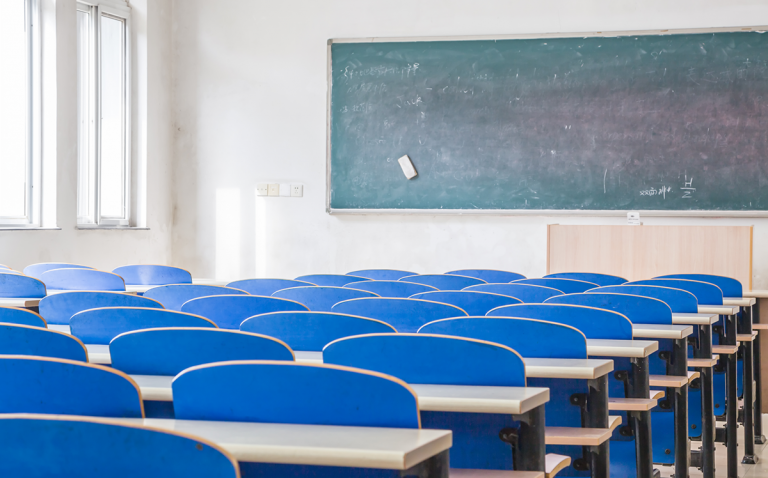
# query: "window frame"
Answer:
x=117 y=10
x=33 y=180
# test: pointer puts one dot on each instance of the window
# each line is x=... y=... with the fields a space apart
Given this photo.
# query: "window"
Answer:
x=19 y=115
x=104 y=164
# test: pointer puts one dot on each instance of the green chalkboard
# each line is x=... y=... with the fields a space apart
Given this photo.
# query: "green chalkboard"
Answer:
x=675 y=122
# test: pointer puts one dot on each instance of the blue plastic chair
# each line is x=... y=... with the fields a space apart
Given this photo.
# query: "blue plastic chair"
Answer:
x=100 y=326
x=16 y=285
x=3 y=266
x=331 y=280
x=528 y=337
x=391 y=288
x=311 y=331
x=443 y=281
x=729 y=286
x=229 y=311
x=593 y=277
x=532 y=339
x=489 y=275
x=173 y=296
x=66 y=387
x=705 y=292
x=321 y=298
x=10 y=271
x=443 y=360
x=40 y=445
x=59 y=308
x=405 y=315
x=82 y=279
x=153 y=275
x=19 y=316
x=529 y=294
x=168 y=351
x=594 y=323
x=381 y=274
x=37 y=270
x=638 y=309
x=28 y=340
x=568 y=286
x=267 y=286
x=680 y=301
x=286 y=392
x=471 y=302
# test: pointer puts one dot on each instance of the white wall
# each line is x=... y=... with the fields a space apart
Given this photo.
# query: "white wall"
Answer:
x=250 y=106
x=153 y=143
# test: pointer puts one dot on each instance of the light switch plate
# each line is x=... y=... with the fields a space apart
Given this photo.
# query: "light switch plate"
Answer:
x=274 y=189
x=262 y=189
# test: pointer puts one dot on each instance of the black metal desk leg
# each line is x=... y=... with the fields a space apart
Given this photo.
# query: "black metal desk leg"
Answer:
x=437 y=466
x=704 y=350
x=597 y=417
x=758 y=373
x=530 y=449
x=745 y=327
x=642 y=420
x=678 y=365
x=731 y=440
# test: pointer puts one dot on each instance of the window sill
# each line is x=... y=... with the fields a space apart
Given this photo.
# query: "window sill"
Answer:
x=111 y=228
x=16 y=228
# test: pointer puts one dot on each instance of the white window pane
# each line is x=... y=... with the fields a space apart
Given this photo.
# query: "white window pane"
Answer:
x=14 y=110
x=112 y=188
x=86 y=159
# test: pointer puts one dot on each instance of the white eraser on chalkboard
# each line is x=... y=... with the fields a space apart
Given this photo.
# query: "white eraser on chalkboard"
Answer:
x=407 y=165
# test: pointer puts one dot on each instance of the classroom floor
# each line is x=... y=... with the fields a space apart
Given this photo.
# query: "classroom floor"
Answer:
x=745 y=471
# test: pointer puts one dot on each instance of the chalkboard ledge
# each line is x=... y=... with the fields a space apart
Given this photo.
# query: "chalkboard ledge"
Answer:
x=542 y=212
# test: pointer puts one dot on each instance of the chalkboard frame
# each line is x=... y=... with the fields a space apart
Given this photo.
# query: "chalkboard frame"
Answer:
x=519 y=212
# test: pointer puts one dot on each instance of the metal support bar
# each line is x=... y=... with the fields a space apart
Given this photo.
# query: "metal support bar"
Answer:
x=678 y=365
x=731 y=399
x=745 y=327
x=597 y=417
x=530 y=450
x=704 y=350
x=758 y=373
x=437 y=466
x=641 y=421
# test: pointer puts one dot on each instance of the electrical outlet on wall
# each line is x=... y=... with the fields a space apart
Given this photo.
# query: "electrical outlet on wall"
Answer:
x=297 y=190
x=274 y=190
x=262 y=189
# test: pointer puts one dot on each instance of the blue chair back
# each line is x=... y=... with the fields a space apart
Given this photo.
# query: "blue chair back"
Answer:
x=153 y=275
x=430 y=359
x=471 y=302
x=284 y=392
x=173 y=296
x=267 y=286
x=66 y=387
x=311 y=331
x=638 y=309
x=28 y=340
x=528 y=337
x=405 y=315
x=529 y=294
x=38 y=446
x=82 y=279
x=37 y=270
x=169 y=351
x=729 y=286
x=381 y=274
x=443 y=281
x=391 y=288
x=680 y=301
x=594 y=323
x=593 y=277
x=229 y=311
x=3 y=266
x=705 y=292
x=17 y=285
x=10 y=271
x=59 y=308
x=100 y=326
x=568 y=286
x=331 y=280
x=19 y=316
x=321 y=298
x=489 y=275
